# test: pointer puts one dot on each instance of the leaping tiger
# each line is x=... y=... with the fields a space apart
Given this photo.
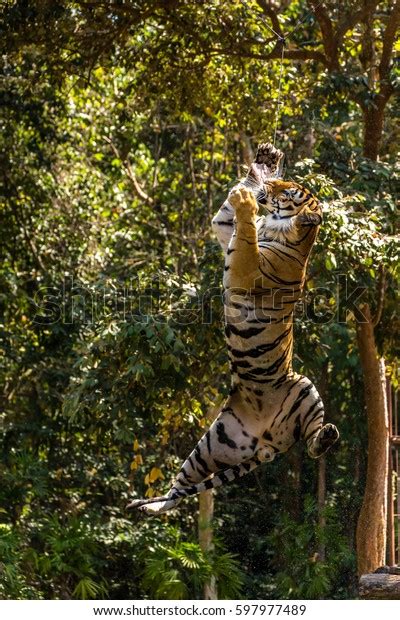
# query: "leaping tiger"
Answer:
x=270 y=407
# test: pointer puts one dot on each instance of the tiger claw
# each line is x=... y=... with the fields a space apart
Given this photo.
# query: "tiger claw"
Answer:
x=270 y=157
x=135 y=503
x=309 y=219
x=327 y=436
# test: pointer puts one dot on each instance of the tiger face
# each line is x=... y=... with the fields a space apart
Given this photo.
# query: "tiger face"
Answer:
x=283 y=200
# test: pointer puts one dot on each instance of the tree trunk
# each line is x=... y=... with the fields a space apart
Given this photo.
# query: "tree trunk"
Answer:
x=374 y=118
x=371 y=527
x=373 y=129
x=321 y=505
x=206 y=511
x=291 y=484
x=323 y=389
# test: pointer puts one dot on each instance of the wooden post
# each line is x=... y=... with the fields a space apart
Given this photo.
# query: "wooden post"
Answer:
x=321 y=504
x=390 y=516
x=206 y=512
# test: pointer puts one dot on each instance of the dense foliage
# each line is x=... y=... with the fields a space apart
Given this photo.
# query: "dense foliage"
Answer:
x=119 y=140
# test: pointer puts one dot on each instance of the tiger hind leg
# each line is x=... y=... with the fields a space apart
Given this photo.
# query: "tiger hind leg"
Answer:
x=309 y=424
x=159 y=505
x=224 y=453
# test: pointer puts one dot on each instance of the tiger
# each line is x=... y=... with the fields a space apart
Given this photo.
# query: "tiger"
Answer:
x=270 y=407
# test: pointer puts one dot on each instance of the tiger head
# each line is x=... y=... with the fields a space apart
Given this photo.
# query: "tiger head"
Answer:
x=283 y=200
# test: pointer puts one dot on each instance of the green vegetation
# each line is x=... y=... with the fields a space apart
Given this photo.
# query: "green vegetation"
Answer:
x=123 y=127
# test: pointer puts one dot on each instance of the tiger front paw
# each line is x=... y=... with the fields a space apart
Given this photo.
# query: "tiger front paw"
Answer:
x=269 y=156
x=243 y=202
x=309 y=218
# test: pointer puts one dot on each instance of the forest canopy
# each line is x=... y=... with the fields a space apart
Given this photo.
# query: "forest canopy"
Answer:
x=124 y=125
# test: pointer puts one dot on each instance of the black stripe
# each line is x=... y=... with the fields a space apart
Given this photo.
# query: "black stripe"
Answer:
x=248 y=377
x=259 y=350
x=208 y=441
x=245 y=333
x=305 y=202
x=292 y=244
x=185 y=475
x=257 y=371
x=200 y=460
x=301 y=263
x=203 y=474
x=313 y=432
x=285 y=399
x=235 y=364
x=270 y=319
x=272 y=250
x=238 y=306
x=234 y=415
x=268 y=261
x=222 y=477
x=279 y=381
x=317 y=402
x=272 y=369
x=301 y=396
x=278 y=280
x=253 y=444
x=220 y=464
x=246 y=240
x=318 y=414
x=223 y=437
x=297 y=429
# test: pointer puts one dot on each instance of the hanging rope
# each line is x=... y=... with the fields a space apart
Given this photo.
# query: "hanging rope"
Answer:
x=279 y=89
x=276 y=34
x=282 y=40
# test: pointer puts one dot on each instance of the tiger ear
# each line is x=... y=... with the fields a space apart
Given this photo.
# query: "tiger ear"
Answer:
x=278 y=186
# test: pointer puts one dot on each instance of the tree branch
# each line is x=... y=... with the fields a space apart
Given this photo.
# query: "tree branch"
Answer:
x=381 y=293
x=107 y=6
x=269 y=12
x=131 y=175
x=328 y=37
x=388 y=41
x=276 y=53
x=351 y=19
